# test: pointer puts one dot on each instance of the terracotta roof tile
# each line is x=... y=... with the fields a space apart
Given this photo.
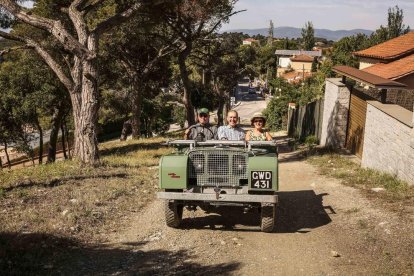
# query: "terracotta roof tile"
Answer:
x=295 y=76
x=302 y=58
x=393 y=70
x=390 y=49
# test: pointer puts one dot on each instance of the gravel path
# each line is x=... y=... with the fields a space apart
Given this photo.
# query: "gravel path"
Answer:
x=323 y=228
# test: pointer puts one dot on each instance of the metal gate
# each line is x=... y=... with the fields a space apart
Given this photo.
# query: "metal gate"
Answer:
x=356 y=122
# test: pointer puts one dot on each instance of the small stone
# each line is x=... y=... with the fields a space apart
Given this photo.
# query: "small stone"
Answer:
x=234 y=239
x=222 y=242
x=335 y=254
x=73 y=200
x=377 y=190
x=65 y=212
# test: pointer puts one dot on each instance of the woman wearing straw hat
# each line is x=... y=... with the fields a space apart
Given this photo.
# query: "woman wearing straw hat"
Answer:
x=258 y=121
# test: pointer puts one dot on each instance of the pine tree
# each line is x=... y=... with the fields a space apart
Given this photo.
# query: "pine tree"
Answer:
x=270 y=36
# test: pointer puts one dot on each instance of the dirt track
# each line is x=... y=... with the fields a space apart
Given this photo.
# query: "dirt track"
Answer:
x=323 y=228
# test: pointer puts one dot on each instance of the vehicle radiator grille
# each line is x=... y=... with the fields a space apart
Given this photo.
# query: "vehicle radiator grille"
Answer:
x=217 y=167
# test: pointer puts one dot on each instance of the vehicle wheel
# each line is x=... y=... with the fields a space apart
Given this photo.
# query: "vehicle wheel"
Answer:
x=173 y=213
x=267 y=219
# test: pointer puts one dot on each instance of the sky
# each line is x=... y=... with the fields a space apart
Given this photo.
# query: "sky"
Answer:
x=324 y=14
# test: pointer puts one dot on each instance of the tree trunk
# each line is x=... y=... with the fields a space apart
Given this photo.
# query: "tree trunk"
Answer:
x=7 y=155
x=65 y=126
x=63 y=141
x=54 y=132
x=40 y=140
x=86 y=142
x=126 y=128
x=136 y=109
x=182 y=57
x=220 y=117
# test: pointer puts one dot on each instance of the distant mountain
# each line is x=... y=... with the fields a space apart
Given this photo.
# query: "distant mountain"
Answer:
x=292 y=32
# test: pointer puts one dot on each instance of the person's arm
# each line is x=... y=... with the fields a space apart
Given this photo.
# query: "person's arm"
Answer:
x=215 y=134
x=242 y=134
x=268 y=136
x=248 y=136
x=220 y=133
x=187 y=133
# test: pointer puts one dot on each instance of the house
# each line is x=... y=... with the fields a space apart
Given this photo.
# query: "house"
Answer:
x=372 y=115
x=284 y=56
x=250 y=41
x=393 y=59
x=298 y=60
x=301 y=63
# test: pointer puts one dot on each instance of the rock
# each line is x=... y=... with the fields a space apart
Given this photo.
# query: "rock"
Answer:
x=73 y=201
x=377 y=189
x=222 y=242
x=65 y=212
x=335 y=254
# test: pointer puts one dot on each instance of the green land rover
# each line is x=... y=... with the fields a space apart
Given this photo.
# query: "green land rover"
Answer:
x=217 y=173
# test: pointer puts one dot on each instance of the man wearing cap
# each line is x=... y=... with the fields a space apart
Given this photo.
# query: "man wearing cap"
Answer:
x=231 y=131
x=203 y=130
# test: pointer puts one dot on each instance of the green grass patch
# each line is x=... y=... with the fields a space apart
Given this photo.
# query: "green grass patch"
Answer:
x=351 y=174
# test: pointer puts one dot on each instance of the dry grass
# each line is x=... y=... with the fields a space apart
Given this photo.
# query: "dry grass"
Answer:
x=66 y=199
x=342 y=167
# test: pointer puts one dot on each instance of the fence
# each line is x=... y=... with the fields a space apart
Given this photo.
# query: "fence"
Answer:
x=306 y=120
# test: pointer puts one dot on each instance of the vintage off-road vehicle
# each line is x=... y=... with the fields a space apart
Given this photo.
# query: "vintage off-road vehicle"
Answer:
x=216 y=173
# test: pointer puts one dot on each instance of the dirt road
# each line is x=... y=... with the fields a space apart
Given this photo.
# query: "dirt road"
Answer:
x=323 y=228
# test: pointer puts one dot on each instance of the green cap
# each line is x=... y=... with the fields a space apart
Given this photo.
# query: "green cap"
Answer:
x=202 y=110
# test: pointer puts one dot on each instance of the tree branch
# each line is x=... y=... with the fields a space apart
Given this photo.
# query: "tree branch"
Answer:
x=122 y=16
x=91 y=6
x=78 y=21
x=57 y=69
x=12 y=49
x=54 y=27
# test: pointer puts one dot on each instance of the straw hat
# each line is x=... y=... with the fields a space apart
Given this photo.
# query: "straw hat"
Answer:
x=256 y=116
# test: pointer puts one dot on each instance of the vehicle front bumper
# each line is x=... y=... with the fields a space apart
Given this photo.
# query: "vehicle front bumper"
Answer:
x=221 y=197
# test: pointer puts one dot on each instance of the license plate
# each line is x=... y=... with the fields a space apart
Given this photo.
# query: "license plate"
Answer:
x=261 y=179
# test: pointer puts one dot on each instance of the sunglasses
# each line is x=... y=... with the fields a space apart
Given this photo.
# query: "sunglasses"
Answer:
x=203 y=115
x=258 y=121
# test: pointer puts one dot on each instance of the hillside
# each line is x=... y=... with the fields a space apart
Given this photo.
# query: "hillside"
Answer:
x=292 y=32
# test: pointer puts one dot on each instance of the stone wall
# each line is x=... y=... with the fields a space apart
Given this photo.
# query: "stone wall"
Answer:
x=335 y=113
x=388 y=143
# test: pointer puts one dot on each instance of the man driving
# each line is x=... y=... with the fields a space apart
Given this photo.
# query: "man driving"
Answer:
x=201 y=131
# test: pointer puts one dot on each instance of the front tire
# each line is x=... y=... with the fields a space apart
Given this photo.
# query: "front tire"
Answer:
x=267 y=217
x=173 y=213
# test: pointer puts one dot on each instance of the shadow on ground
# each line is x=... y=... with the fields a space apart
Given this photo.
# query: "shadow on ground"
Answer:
x=297 y=211
x=41 y=254
x=60 y=181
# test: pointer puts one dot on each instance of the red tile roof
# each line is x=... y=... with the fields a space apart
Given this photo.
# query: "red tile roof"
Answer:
x=393 y=70
x=295 y=76
x=305 y=58
x=391 y=49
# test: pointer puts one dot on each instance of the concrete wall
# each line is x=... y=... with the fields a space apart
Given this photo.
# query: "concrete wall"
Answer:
x=335 y=113
x=301 y=65
x=388 y=141
x=284 y=61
